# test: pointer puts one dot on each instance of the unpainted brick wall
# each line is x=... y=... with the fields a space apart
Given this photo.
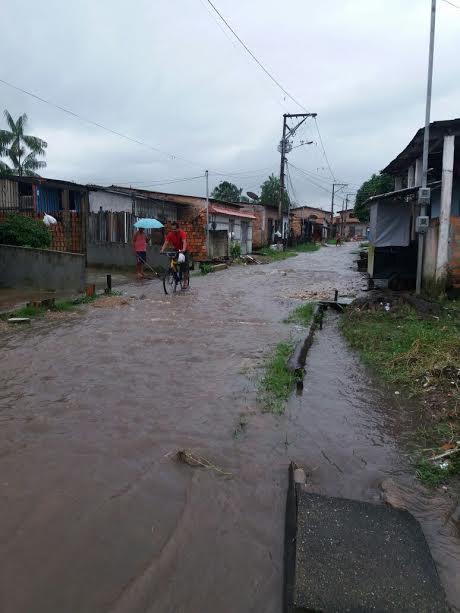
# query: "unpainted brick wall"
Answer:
x=193 y=223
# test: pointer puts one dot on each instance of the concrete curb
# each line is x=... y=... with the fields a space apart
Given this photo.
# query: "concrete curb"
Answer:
x=296 y=361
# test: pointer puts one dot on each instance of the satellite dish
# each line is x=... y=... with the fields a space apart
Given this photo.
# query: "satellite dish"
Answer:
x=252 y=195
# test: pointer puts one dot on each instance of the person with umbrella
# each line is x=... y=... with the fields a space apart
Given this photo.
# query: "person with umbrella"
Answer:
x=140 y=243
x=140 y=248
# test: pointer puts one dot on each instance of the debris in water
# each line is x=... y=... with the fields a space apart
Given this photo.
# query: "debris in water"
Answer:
x=193 y=459
x=19 y=320
x=111 y=301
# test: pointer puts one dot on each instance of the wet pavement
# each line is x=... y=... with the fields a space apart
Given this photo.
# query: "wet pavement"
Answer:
x=96 y=514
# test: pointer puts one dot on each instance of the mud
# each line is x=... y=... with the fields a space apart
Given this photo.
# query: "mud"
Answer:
x=96 y=514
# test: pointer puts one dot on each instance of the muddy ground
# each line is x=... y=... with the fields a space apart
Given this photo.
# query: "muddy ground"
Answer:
x=95 y=513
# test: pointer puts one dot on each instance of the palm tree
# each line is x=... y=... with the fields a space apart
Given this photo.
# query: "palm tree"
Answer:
x=20 y=149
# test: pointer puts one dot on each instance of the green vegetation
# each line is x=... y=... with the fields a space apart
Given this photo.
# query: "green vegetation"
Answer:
x=24 y=232
x=20 y=149
x=377 y=184
x=277 y=382
x=226 y=191
x=420 y=355
x=205 y=268
x=306 y=247
x=433 y=441
x=406 y=349
x=331 y=241
x=276 y=256
x=59 y=305
x=235 y=250
x=301 y=315
x=270 y=193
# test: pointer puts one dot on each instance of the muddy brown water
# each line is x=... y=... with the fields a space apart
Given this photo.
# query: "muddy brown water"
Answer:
x=95 y=513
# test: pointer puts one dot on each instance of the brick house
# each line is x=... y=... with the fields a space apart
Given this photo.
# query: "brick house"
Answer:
x=265 y=224
x=67 y=202
x=113 y=211
x=309 y=224
x=349 y=227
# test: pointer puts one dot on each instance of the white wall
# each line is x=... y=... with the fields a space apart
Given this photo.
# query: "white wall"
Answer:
x=223 y=223
x=109 y=202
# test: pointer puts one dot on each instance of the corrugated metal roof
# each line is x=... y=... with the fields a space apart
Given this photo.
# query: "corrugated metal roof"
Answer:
x=220 y=210
x=407 y=191
x=438 y=129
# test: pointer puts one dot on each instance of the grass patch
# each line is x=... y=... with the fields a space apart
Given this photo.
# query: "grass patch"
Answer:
x=59 y=305
x=433 y=441
x=278 y=382
x=307 y=247
x=275 y=256
x=331 y=241
x=205 y=268
x=301 y=315
x=291 y=252
x=406 y=349
x=27 y=311
x=422 y=357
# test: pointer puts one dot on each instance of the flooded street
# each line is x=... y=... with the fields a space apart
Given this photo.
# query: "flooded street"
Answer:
x=96 y=515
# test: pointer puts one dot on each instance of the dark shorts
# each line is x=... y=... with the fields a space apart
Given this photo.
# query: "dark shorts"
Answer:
x=141 y=257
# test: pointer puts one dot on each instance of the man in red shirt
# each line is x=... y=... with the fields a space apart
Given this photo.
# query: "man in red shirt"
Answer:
x=177 y=239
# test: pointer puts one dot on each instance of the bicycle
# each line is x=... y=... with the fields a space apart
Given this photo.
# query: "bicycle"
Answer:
x=174 y=276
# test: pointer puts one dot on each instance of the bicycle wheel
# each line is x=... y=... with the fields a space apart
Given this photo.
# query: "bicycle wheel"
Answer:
x=185 y=281
x=170 y=282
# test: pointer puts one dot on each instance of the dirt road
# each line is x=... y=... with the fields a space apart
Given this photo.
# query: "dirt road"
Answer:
x=96 y=515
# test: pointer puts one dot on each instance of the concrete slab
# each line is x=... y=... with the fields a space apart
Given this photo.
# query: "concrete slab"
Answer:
x=356 y=556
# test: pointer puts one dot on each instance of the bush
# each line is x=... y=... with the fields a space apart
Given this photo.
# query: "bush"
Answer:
x=235 y=250
x=24 y=232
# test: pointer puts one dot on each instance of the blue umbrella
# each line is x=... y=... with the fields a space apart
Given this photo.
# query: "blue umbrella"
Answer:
x=148 y=224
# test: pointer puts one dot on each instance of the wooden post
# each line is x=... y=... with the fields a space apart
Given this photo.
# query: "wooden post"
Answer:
x=442 y=259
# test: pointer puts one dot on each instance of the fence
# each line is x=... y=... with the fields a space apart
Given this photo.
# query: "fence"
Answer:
x=117 y=227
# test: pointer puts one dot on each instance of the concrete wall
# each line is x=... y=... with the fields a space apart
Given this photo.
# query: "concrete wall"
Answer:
x=109 y=202
x=41 y=268
x=121 y=255
x=431 y=250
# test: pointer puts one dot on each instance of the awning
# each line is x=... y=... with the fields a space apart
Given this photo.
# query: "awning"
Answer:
x=220 y=210
x=400 y=193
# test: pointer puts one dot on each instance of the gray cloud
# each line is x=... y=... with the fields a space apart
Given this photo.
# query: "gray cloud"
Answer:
x=168 y=73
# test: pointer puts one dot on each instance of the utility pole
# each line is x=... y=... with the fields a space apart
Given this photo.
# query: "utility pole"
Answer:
x=284 y=148
x=282 y=171
x=207 y=212
x=334 y=185
x=426 y=146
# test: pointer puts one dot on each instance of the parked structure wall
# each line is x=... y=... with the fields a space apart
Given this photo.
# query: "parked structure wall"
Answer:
x=41 y=268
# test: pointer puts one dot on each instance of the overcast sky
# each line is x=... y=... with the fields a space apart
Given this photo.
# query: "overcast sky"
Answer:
x=167 y=72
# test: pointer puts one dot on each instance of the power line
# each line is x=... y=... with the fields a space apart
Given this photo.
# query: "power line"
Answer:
x=258 y=62
x=159 y=183
x=324 y=150
x=452 y=4
x=310 y=180
x=172 y=156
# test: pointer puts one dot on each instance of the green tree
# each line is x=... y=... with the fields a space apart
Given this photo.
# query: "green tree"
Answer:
x=226 y=191
x=21 y=150
x=24 y=232
x=270 y=193
x=377 y=184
